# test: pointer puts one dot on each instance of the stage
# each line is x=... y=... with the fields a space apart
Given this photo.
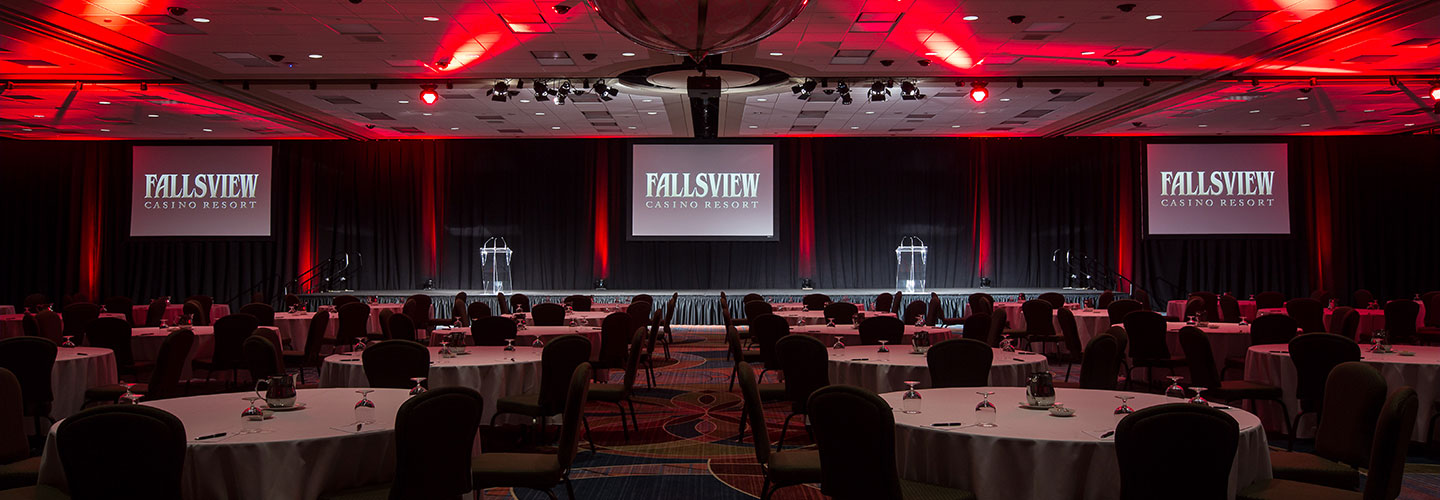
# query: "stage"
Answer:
x=701 y=307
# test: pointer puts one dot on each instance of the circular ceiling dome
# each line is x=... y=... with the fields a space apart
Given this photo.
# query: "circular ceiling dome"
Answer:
x=729 y=79
x=674 y=78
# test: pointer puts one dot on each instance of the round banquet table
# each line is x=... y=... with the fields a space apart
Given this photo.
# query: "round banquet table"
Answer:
x=800 y=306
x=75 y=370
x=298 y=455
x=862 y=366
x=1176 y=308
x=145 y=344
x=1227 y=340
x=818 y=317
x=1031 y=454
x=1013 y=317
x=851 y=335
x=1271 y=364
x=527 y=336
x=609 y=307
x=13 y=325
x=1370 y=319
x=583 y=318
x=296 y=327
x=173 y=312
x=491 y=371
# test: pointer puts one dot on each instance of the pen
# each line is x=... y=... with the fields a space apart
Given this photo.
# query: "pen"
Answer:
x=357 y=427
x=861 y=359
x=211 y=436
x=946 y=424
x=1107 y=434
x=1018 y=359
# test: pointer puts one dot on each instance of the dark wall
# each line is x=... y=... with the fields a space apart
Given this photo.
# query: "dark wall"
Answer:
x=420 y=210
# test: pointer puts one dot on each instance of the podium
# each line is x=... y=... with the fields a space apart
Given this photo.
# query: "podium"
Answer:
x=495 y=265
x=910 y=264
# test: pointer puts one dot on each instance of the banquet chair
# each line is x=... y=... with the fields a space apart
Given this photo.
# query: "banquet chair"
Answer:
x=417 y=307
x=33 y=302
x=581 y=303
x=752 y=309
x=615 y=333
x=230 y=334
x=1269 y=300
x=887 y=328
x=502 y=303
x=258 y=297
x=669 y=333
x=1119 y=309
x=767 y=330
x=458 y=311
x=1148 y=347
x=434 y=437
x=1141 y=296
x=262 y=313
x=344 y=299
x=114 y=334
x=1229 y=309
x=782 y=468
x=807 y=368
x=1070 y=331
x=1354 y=394
x=1146 y=442
x=1315 y=355
x=935 y=311
x=620 y=393
x=548 y=314
x=1195 y=307
x=1100 y=365
x=477 y=310
x=191 y=308
x=981 y=303
x=998 y=324
x=559 y=359
x=492 y=330
x=882 y=301
x=1039 y=323
x=1309 y=314
x=1201 y=359
x=291 y=300
x=1324 y=296
x=49 y=325
x=392 y=363
x=815 y=301
x=1400 y=318
x=1056 y=299
x=977 y=327
x=914 y=311
x=519 y=303
x=1429 y=332
x=32 y=360
x=401 y=327
x=78 y=317
x=1345 y=322
x=644 y=297
x=164 y=381
x=1122 y=347
x=121 y=305
x=1266 y=330
x=738 y=354
x=639 y=313
x=855 y=438
x=750 y=297
x=262 y=358
x=314 y=337
x=1212 y=304
x=1361 y=298
x=385 y=334
x=843 y=313
x=898 y=303
x=1106 y=297
x=959 y=363
x=1384 y=472
x=353 y=319
x=542 y=471
x=17 y=468
x=122 y=451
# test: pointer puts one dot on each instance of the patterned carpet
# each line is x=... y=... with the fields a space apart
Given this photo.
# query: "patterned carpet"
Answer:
x=688 y=447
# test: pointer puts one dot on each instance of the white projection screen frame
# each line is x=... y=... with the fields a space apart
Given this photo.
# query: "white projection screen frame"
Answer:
x=1217 y=189
x=702 y=192
x=200 y=191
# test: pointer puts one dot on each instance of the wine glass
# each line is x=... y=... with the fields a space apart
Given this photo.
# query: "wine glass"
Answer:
x=537 y=343
x=839 y=346
x=985 y=411
x=68 y=342
x=419 y=386
x=883 y=351
x=252 y=418
x=910 y=402
x=800 y=321
x=1198 y=399
x=830 y=322
x=1175 y=390
x=129 y=398
x=445 y=351
x=1006 y=344
x=365 y=408
x=510 y=344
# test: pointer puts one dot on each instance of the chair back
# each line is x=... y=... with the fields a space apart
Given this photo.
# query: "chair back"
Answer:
x=1101 y=363
x=1121 y=308
x=1147 y=335
x=934 y=310
x=914 y=311
x=1400 y=319
x=1432 y=309
x=580 y=302
x=32 y=360
x=749 y=297
x=558 y=361
x=434 y=436
x=170 y=364
x=882 y=301
x=1392 y=438
x=385 y=315
x=121 y=305
x=1055 y=299
x=230 y=334
x=1354 y=394
x=1195 y=307
x=981 y=303
x=122 y=451
x=1361 y=298
x=353 y=319
x=1315 y=355
x=977 y=327
x=767 y=329
x=887 y=328
x=291 y=300
x=342 y=300
x=458 y=310
x=855 y=434
x=815 y=301
x=155 y=313
x=417 y=308
x=806 y=367
x=315 y=336
x=1324 y=296
x=644 y=297
x=1069 y=330
x=1212 y=304
x=113 y=334
x=615 y=332
x=1345 y=322
x=14 y=446
x=402 y=327
x=1141 y=296
x=1308 y=313
x=548 y=314
x=1273 y=329
x=632 y=358
x=33 y=301
x=573 y=405
x=755 y=308
x=960 y=363
x=842 y=312
x=998 y=323
x=77 y=317
x=1199 y=357
x=192 y=309
x=1145 y=444
x=492 y=330
x=502 y=303
x=262 y=358
x=898 y=303
x=477 y=310
x=262 y=312
x=1122 y=341
x=519 y=303
x=1038 y=317
x=1269 y=300
x=639 y=313
x=1106 y=297
x=49 y=325
x=754 y=412
x=1229 y=309
x=391 y=364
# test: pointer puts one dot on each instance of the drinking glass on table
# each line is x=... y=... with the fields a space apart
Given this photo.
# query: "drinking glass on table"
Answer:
x=365 y=408
x=910 y=402
x=510 y=344
x=883 y=351
x=252 y=418
x=419 y=386
x=129 y=398
x=1175 y=390
x=985 y=411
x=1198 y=399
x=68 y=342
x=1124 y=410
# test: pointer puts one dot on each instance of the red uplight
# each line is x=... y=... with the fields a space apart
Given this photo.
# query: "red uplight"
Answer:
x=428 y=94
x=978 y=93
x=1435 y=91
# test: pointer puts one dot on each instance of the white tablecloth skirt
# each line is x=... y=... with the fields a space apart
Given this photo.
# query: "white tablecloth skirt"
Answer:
x=78 y=369
x=492 y=377
x=173 y=312
x=1421 y=371
x=880 y=376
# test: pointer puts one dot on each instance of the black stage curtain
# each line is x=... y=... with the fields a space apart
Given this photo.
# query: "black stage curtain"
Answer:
x=40 y=189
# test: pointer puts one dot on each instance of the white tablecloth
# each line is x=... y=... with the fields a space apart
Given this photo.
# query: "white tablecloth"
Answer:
x=799 y=306
x=491 y=371
x=296 y=327
x=1271 y=364
x=13 y=325
x=851 y=335
x=1176 y=308
x=818 y=317
x=1032 y=454
x=888 y=372
x=546 y=333
x=173 y=312
x=1227 y=340
x=145 y=345
x=297 y=456
x=75 y=370
x=1015 y=319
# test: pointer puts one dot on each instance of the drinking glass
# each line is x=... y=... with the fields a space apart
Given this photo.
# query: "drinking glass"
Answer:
x=800 y=321
x=830 y=322
x=68 y=342
x=419 y=386
x=129 y=398
x=838 y=344
x=510 y=344
x=445 y=349
x=1006 y=344
x=537 y=343
x=985 y=411
x=365 y=408
x=1175 y=390
x=910 y=402
x=1124 y=410
x=252 y=418
x=1198 y=399
x=920 y=322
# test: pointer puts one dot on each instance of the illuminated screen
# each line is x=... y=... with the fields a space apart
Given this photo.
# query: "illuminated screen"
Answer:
x=1217 y=189
x=200 y=191
x=702 y=191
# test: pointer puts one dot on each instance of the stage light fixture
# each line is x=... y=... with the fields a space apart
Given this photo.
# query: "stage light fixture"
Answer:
x=428 y=94
x=877 y=92
x=541 y=90
x=978 y=92
x=1435 y=91
x=1019 y=83
x=606 y=92
x=501 y=92
x=1099 y=82
x=144 y=86
x=1146 y=82
x=845 y=99
x=909 y=91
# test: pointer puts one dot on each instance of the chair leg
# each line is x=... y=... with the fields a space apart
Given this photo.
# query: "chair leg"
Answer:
x=650 y=373
x=588 y=437
x=1295 y=429
x=569 y=486
x=624 y=425
x=765 y=490
x=634 y=421
x=783 y=427
x=744 y=418
x=551 y=494
x=733 y=373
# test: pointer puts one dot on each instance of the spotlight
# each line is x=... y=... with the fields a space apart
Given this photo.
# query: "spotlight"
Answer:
x=1126 y=7
x=1314 y=82
x=606 y=92
x=144 y=86
x=177 y=11
x=428 y=94
x=1019 y=83
x=561 y=8
x=1306 y=90
x=1112 y=62
x=559 y=99
x=1054 y=91
x=501 y=92
x=923 y=62
x=909 y=91
x=1146 y=82
x=877 y=92
x=1099 y=82
x=845 y=99
x=978 y=92
x=842 y=88
x=1435 y=91
x=887 y=62
x=541 y=90
x=1254 y=82
x=1016 y=19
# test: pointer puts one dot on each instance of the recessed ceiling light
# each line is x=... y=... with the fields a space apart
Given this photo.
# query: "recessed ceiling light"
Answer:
x=201 y=20
x=627 y=54
x=527 y=100
x=206 y=130
x=1302 y=98
x=554 y=128
x=1409 y=124
x=1254 y=111
x=854 y=128
x=426 y=114
x=1005 y=99
x=539 y=114
x=1088 y=53
x=869 y=112
x=982 y=112
x=954 y=126
x=1202 y=125
x=970 y=18
x=777 y=54
x=316 y=56
x=932 y=53
x=1369 y=111
x=27 y=130
x=647 y=100
x=39 y=116
x=430 y=18
x=754 y=126
x=650 y=112
x=104 y=130
x=1304 y=124
x=762 y=99
x=454 y=128
x=1153 y=17
x=631 y=128
x=107 y=103
x=154 y=116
